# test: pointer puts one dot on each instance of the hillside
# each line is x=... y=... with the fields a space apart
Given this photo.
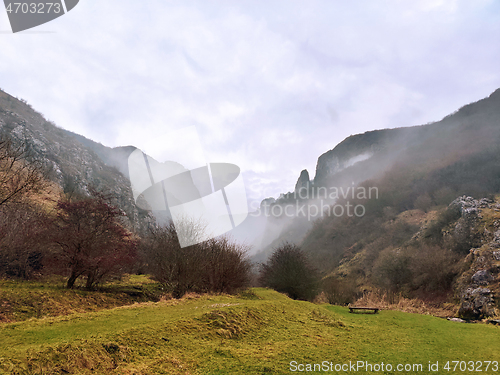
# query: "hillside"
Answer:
x=257 y=332
x=410 y=238
x=445 y=159
x=114 y=157
x=73 y=165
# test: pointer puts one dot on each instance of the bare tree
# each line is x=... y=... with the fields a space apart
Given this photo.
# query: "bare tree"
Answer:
x=177 y=268
x=24 y=239
x=20 y=173
x=216 y=265
x=227 y=267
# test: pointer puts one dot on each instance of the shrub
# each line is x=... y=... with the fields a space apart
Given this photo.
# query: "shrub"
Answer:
x=339 y=291
x=24 y=238
x=217 y=265
x=289 y=271
x=391 y=270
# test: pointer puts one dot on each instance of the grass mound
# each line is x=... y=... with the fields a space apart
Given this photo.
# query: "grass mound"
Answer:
x=231 y=324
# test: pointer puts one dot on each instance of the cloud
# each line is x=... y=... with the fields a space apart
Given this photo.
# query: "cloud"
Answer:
x=270 y=86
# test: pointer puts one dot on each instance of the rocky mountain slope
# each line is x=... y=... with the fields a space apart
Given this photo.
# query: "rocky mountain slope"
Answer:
x=436 y=162
x=74 y=161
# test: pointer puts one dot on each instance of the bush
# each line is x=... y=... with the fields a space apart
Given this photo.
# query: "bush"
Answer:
x=289 y=271
x=24 y=239
x=420 y=268
x=339 y=291
x=433 y=233
x=392 y=270
x=434 y=268
x=217 y=265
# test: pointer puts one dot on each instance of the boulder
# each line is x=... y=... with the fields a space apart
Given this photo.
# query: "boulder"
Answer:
x=476 y=303
x=468 y=206
x=485 y=202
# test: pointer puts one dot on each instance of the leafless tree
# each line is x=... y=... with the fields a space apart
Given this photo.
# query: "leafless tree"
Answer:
x=24 y=239
x=20 y=173
x=90 y=240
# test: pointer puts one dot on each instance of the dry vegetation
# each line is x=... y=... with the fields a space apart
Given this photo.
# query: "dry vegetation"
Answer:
x=386 y=301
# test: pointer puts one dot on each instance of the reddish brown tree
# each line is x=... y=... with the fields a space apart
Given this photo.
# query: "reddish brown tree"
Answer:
x=91 y=241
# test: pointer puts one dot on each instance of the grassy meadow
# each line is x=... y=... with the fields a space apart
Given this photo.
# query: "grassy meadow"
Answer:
x=257 y=332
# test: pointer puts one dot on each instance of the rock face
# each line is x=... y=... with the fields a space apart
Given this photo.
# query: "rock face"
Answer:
x=480 y=283
x=468 y=206
x=377 y=147
x=114 y=157
x=72 y=163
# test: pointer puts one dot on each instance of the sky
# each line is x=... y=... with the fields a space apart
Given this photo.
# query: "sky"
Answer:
x=269 y=85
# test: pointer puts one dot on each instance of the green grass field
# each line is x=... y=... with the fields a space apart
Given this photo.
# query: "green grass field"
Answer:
x=257 y=332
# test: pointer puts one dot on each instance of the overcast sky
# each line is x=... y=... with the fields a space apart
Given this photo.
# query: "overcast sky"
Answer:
x=270 y=85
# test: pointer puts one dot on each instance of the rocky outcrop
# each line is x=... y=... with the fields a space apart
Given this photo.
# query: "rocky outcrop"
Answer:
x=303 y=184
x=479 y=285
x=468 y=206
x=112 y=156
x=482 y=277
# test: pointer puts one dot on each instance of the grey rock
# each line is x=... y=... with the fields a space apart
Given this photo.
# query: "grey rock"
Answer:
x=485 y=202
x=476 y=303
x=469 y=209
x=70 y=161
x=496 y=255
x=482 y=277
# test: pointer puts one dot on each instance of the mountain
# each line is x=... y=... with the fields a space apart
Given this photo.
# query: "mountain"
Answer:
x=429 y=155
x=412 y=210
x=430 y=228
x=75 y=162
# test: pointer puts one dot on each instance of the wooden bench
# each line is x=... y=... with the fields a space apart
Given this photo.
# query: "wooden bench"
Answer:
x=368 y=310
